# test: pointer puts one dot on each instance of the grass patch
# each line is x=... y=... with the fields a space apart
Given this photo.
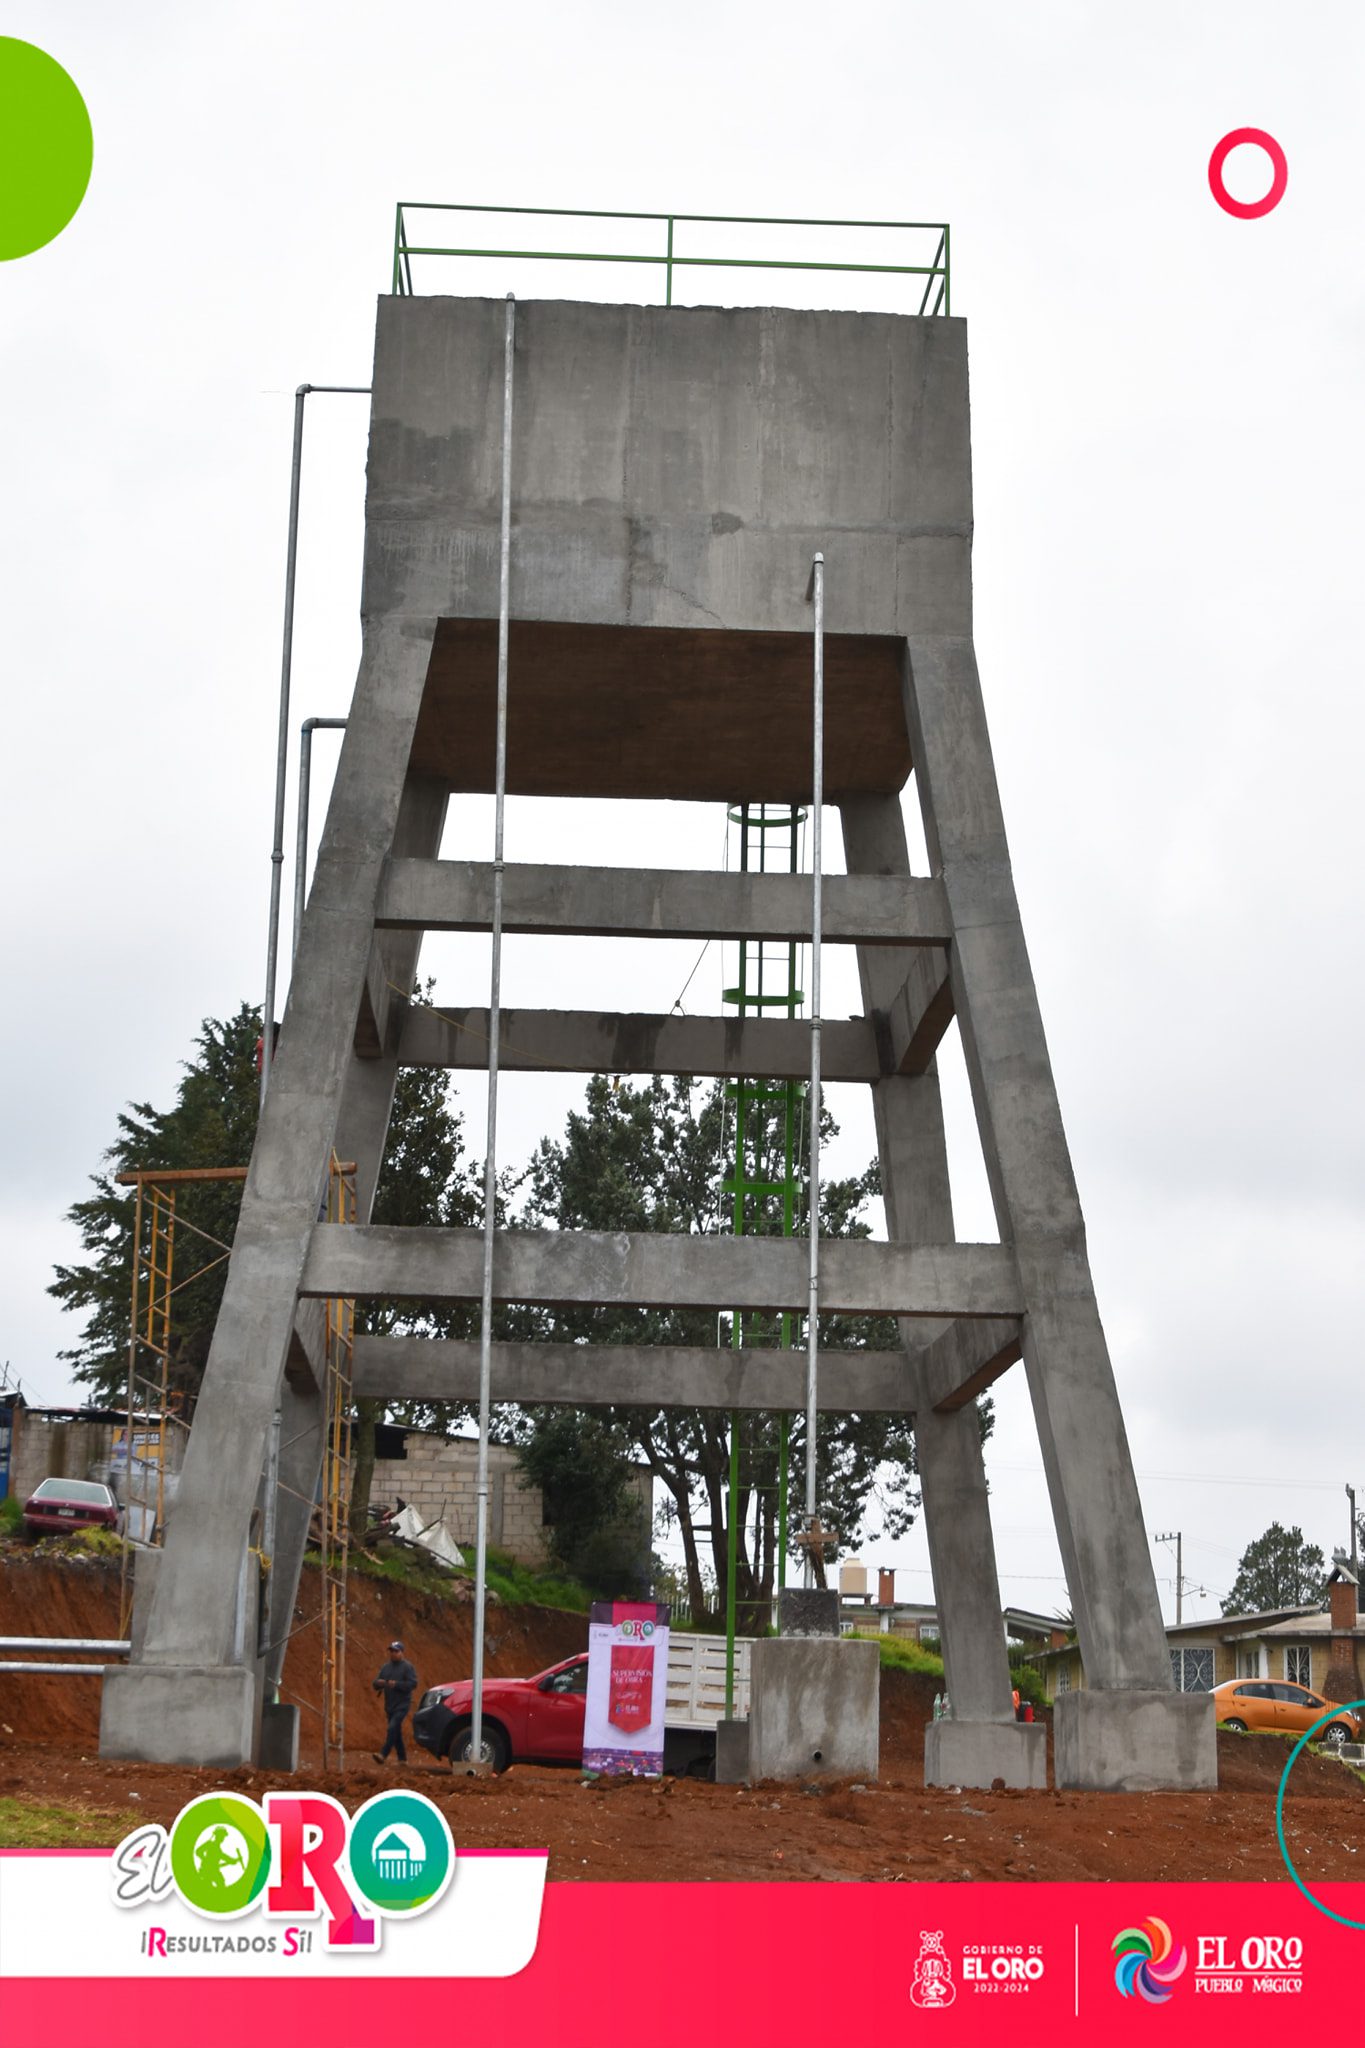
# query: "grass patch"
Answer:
x=11 y=1515
x=518 y=1586
x=514 y=1584
x=27 y=1826
x=898 y=1653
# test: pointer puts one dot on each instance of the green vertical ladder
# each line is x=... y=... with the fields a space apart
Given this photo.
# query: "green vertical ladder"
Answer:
x=763 y=1175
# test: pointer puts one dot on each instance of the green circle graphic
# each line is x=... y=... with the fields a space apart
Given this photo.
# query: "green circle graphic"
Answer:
x=220 y=1855
x=1350 y=1707
x=46 y=148
x=401 y=1853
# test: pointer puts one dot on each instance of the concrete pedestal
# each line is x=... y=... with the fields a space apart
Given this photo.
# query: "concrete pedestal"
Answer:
x=279 y=1737
x=976 y=1753
x=732 y=1753
x=813 y=1708
x=180 y=1714
x=1134 y=1742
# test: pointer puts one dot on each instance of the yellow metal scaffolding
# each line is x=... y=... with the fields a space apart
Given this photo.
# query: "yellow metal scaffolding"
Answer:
x=336 y=1487
x=150 y=1408
x=151 y=1405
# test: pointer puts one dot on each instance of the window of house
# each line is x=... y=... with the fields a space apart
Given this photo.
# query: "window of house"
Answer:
x=1063 y=1678
x=1298 y=1663
x=1192 y=1670
x=1249 y=1662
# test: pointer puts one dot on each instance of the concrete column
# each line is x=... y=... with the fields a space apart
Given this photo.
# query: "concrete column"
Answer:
x=193 y=1622
x=914 y=1162
x=1084 y=1444
x=362 y=1133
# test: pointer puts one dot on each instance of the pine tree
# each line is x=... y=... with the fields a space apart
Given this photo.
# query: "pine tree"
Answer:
x=1278 y=1570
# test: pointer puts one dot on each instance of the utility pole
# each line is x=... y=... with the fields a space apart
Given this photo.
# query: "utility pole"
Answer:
x=1355 y=1536
x=1173 y=1536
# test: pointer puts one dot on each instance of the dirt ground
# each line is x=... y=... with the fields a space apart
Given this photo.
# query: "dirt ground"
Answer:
x=893 y=1830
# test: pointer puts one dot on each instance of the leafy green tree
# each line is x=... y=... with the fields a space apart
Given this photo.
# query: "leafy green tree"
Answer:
x=598 y=1529
x=647 y=1158
x=1278 y=1570
x=427 y=1178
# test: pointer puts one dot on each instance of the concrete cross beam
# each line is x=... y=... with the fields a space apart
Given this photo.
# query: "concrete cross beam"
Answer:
x=920 y=1013
x=660 y=903
x=603 y=1042
x=654 y=1270
x=963 y=1360
x=639 y=1375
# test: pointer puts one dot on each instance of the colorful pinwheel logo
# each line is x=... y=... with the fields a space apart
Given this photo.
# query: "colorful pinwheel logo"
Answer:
x=1149 y=1961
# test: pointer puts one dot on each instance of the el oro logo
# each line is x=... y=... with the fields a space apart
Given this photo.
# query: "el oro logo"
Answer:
x=299 y=1855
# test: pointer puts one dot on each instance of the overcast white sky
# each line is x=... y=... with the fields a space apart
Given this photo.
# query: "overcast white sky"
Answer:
x=1169 y=439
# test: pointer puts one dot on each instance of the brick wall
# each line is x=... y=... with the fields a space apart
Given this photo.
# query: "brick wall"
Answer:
x=49 y=1448
x=57 y=1446
x=439 y=1475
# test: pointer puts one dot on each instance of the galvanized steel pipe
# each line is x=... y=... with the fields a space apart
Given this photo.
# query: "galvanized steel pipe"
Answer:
x=494 y=1029
x=272 y=945
x=813 y=1107
x=306 y=731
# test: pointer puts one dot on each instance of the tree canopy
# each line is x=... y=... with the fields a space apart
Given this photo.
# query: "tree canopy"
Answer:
x=1279 y=1569
x=646 y=1158
x=427 y=1178
x=637 y=1158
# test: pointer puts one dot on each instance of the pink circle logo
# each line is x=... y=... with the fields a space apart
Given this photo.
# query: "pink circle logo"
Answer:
x=1253 y=209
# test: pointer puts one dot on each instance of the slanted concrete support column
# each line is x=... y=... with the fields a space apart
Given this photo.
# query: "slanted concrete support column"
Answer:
x=362 y=1130
x=194 y=1624
x=1080 y=1424
x=914 y=1162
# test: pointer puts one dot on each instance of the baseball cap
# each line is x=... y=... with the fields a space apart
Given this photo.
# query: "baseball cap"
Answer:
x=395 y=1646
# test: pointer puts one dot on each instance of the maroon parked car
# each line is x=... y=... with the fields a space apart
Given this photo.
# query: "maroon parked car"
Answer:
x=71 y=1504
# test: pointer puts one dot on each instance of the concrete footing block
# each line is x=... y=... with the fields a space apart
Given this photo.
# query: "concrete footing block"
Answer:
x=180 y=1714
x=977 y=1753
x=732 y=1752
x=1134 y=1742
x=814 y=1708
x=279 y=1737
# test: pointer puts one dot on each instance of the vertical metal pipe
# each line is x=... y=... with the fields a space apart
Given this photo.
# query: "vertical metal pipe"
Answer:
x=494 y=1029
x=817 y=878
x=270 y=1526
x=1355 y=1534
x=272 y=945
x=306 y=731
x=282 y=745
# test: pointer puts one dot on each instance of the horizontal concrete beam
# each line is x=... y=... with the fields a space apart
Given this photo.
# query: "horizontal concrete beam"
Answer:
x=963 y=1360
x=596 y=1042
x=641 y=1375
x=661 y=903
x=657 y=1270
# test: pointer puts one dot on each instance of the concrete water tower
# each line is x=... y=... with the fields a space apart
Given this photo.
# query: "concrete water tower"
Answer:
x=674 y=470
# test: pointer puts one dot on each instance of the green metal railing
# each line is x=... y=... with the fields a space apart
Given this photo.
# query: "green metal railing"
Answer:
x=932 y=235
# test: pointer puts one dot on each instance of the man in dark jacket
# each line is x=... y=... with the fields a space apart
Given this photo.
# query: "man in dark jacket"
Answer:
x=398 y=1682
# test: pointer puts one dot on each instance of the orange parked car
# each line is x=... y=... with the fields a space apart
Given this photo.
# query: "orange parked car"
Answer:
x=1264 y=1703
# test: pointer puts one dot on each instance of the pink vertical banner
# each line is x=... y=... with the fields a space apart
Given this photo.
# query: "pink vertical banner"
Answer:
x=623 y=1721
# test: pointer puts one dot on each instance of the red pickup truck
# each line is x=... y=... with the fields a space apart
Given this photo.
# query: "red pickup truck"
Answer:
x=527 y=1720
